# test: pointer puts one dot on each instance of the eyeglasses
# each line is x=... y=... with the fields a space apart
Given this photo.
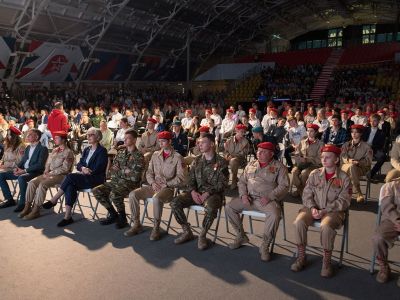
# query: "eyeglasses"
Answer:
x=91 y=134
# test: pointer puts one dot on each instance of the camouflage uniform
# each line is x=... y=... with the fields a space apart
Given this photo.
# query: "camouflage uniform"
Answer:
x=127 y=177
x=96 y=120
x=205 y=176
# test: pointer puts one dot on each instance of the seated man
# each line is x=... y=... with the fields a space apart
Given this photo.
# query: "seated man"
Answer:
x=179 y=139
x=262 y=186
x=228 y=125
x=207 y=182
x=326 y=197
x=126 y=174
x=59 y=164
x=295 y=134
x=336 y=134
x=356 y=159
x=389 y=228
x=148 y=141
x=32 y=165
x=375 y=138
x=91 y=172
x=165 y=172
x=394 y=161
x=278 y=131
x=307 y=158
x=195 y=150
x=236 y=149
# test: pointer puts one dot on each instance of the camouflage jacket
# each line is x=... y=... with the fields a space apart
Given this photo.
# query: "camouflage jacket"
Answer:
x=128 y=166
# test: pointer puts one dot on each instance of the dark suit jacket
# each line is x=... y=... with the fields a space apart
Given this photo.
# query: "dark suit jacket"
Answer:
x=97 y=163
x=180 y=143
x=378 y=143
x=38 y=160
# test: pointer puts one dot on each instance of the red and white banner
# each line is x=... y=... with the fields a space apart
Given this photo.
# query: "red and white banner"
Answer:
x=51 y=62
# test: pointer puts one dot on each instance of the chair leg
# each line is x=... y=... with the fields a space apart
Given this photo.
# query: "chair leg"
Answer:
x=197 y=218
x=144 y=212
x=272 y=245
x=283 y=226
x=94 y=209
x=251 y=224
x=217 y=225
x=169 y=221
x=372 y=266
x=344 y=238
x=226 y=221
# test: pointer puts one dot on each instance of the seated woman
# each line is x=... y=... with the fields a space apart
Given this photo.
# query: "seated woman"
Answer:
x=14 y=150
x=58 y=165
x=91 y=173
x=193 y=132
x=326 y=197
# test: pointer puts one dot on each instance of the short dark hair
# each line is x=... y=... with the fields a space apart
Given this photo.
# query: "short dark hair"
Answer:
x=125 y=120
x=210 y=137
x=37 y=132
x=58 y=105
x=132 y=132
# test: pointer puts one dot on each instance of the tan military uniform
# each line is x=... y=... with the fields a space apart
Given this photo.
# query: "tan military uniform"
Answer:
x=311 y=152
x=149 y=143
x=236 y=153
x=58 y=165
x=395 y=162
x=168 y=173
x=333 y=195
x=385 y=233
x=361 y=152
x=272 y=182
x=12 y=158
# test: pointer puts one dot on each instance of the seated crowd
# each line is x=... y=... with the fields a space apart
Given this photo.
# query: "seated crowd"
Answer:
x=185 y=154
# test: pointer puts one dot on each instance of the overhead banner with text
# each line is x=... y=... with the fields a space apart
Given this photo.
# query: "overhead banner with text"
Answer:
x=51 y=62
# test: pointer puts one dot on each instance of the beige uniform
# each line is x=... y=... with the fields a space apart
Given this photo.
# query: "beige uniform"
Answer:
x=12 y=158
x=195 y=151
x=236 y=153
x=361 y=152
x=333 y=195
x=58 y=165
x=385 y=233
x=395 y=161
x=311 y=152
x=272 y=182
x=168 y=173
x=149 y=143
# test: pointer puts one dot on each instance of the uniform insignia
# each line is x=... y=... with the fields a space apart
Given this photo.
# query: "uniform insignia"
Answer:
x=337 y=182
x=215 y=167
x=272 y=169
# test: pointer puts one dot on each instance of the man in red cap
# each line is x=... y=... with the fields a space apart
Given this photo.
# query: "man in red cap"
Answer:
x=165 y=172
x=356 y=159
x=148 y=141
x=326 y=197
x=236 y=149
x=228 y=125
x=57 y=120
x=307 y=158
x=187 y=120
x=262 y=186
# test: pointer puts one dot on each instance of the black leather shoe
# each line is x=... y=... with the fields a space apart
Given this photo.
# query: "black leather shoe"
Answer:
x=19 y=208
x=48 y=205
x=121 y=221
x=112 y=218
x=65 y=222
x=8 y=203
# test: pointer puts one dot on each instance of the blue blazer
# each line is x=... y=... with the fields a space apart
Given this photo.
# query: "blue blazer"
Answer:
x=97 y=163
x=37 y=163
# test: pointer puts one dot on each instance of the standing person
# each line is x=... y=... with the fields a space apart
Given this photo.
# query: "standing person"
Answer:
x=126 y=174
x=207 y=182
x=326 y=197
x=57 y=120
x=262 y=186
x=165 y=172
x=58 y=165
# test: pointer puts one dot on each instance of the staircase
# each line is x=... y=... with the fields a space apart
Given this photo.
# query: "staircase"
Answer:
x=325 y=76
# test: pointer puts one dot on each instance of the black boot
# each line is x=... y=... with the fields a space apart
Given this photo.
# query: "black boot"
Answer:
x=19 y=208
x=8 y=203
x=111 y=218
x=121 y=221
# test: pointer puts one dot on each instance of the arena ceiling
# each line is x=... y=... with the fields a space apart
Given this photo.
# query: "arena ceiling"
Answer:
x=165 y=27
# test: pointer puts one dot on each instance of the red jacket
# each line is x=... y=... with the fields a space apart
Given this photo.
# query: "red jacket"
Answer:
x=57 y=121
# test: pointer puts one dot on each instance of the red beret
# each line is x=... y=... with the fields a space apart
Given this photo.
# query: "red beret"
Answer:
x=62 y=134
x=164 y=135
x=241 y=127
x=229 y=110
x=344 y=111
x=313 y=126
x=29 y=121
x=209 y=111
x=267 y=145
x=189 y=111
x=381 y=111
x=204 y=129
x=252 y=110
x=15 y=130
x=152 y=120
x=273 y=109
x=331 y=148
x=357 y=126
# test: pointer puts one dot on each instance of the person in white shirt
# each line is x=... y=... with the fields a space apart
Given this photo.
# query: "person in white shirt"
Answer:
x=358 y=118
x=116 y=116
x=228 y=124
x=216 y=117
x=187 y=120
x=206 y=121
x=321 y=121
x=240 y=112
x=120 y=137
x=270 y=119
x=253 y=120
x=295 y=134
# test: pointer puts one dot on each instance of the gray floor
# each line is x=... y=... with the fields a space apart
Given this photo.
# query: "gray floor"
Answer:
x=89 y=261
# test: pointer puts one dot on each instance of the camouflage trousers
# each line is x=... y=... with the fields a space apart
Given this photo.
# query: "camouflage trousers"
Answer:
x=114 y=192
x=184 y=200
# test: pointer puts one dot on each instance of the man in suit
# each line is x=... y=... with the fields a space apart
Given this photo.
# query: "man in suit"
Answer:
x=335 y=135
x=91 y=173
x=179 y=139
x=32 y=165
x=346 y=122
x=376 y=138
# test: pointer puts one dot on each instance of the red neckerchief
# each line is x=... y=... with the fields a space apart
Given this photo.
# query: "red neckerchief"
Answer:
x=329 y=175
x=165 y=154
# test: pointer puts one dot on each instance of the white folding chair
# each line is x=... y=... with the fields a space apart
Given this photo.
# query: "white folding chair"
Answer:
x=378 y=221
x=77 y=203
